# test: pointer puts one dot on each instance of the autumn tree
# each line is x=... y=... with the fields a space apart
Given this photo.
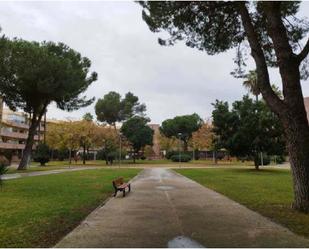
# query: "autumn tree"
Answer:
x=274 y=34
x=167 y=144
x=108 y=139
x=86 y=134
x=33 y=75
x=63 y=135
x=203 y=137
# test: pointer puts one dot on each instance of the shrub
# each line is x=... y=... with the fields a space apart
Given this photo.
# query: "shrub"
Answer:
x=101 y=155
x=169 y=154
x=143 y=157
x=196 y=154
x=62 y=154
x=4 y=161
x=280 y=159
x=41 y=154
x=8 y=154
x=3 y=170
x=181 y=158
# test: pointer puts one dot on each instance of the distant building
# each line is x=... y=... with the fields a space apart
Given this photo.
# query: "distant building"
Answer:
x=156 y=143
x=14 y=128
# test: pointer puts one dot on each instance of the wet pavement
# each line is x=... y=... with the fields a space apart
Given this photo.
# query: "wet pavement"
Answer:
x=166 y=209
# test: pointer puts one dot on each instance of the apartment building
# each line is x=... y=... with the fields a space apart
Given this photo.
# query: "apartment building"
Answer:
x=14 y=128
x=156 y=142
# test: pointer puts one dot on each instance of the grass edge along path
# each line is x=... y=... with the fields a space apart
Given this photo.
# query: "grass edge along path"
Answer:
x=39 y=211
x=267 y=191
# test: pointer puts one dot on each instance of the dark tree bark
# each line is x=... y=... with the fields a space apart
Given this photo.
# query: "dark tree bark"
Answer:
x=134 y=152
x=70 y=156
x=256 y=163
x=35 y=121
x=84 y=154
x=185 y=145
x=291 y=110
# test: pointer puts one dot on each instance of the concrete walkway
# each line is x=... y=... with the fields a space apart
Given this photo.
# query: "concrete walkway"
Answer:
x=42 y=173
x=165 y=209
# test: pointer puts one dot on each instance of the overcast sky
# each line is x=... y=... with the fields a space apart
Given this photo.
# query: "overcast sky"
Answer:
x=127 y=57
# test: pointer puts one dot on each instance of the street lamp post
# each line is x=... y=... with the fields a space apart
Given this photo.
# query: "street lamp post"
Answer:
x=120 y=134
x=179 y=136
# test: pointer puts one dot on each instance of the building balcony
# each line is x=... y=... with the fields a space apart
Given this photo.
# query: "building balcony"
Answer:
x=18 y=135
x=12 y=146
x=18 y=125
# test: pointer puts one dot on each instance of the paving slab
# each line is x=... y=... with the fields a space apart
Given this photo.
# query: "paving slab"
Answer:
x=166 y=209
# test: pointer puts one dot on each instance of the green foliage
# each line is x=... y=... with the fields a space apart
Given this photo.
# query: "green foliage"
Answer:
x=130 y=106
x=251 y=83
x=169 y=154
x=3 y=170
x=110 y=151
x=41 y=154
x=108 y=109
x=35 y=74
x=137 y=132
x=185 y=125
x=216 y=26
x=111 y=108
x=4 y=161
x=279 y=159
x=88 y=117
x=258 y=159
x=61 y=154
x=181 y=158
x=247 y=129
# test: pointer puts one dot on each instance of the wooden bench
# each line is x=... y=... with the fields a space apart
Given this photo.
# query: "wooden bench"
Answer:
x=120 y=185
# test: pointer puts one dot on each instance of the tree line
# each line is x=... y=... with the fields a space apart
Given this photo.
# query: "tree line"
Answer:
x=275 y=36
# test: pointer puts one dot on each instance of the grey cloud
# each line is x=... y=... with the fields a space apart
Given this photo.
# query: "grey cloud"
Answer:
x=170 y=80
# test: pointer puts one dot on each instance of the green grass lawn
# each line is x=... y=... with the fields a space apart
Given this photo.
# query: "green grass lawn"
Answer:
x=38 y=211
x=267 y=191
x=52 y=165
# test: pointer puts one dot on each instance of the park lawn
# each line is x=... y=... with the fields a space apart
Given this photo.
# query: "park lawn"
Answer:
x=267 y=191
x=53 y=165
x=39 y=211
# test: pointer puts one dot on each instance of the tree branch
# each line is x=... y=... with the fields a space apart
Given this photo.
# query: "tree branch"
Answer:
x=275 y=103
x=303 y=54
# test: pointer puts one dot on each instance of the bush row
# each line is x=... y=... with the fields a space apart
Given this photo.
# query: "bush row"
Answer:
x=181 y=158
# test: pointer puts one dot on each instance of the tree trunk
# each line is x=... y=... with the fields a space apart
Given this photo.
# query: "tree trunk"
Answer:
x=29 y=143
x=70 y=156
x=291 y=110
x=45 y=128
x=84 y=154
x=298 y=146
x=133 y=156
x=185 y=145
x=256 y=162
